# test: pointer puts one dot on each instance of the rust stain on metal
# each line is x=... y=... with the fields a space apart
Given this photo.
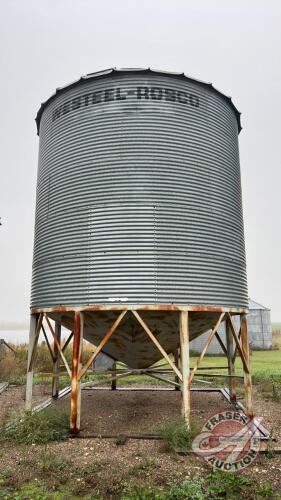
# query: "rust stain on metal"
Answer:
x=240 y=349
x=141 y=307
x=76 y=358
x=247 y=373
x=37 y=332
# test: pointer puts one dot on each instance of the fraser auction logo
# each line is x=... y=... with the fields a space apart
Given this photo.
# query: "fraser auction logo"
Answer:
x=229 y=441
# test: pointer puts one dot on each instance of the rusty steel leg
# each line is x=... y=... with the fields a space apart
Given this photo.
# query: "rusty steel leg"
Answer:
x=231 y=362
x=56 y=364
x=176 y=358
x=33 y=339
x=184 y=355
x=247 y=373
x=75 y=408
x=114 y=380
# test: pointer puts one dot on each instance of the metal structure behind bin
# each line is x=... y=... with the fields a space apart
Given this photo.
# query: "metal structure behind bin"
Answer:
x=260 y=330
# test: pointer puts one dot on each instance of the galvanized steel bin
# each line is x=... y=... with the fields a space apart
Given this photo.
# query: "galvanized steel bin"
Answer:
x=139 y=194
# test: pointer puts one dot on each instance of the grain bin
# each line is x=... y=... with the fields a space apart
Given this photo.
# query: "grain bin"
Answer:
x=260 y=330
x=138 y=209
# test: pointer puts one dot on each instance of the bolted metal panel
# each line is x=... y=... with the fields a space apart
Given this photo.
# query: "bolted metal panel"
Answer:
x=139 y=194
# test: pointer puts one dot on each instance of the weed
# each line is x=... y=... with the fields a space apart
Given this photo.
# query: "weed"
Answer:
x=50 y=477
x=38 y=428
x=51 y=464
x=226 y=485
x=143 y=492
x=271 y=387
x=13 y=364
x=13 y=367
x=32 y=490
x=191 y=489
x=82 y=482
x=214 y=486
x=176 y=474
x=270 y=445
x=176 y=435
x=91 y=469
x=276 y=389
x=265 y=491
x=145 y=465
x=84 y=478
x=232 y=486
x=93 y=496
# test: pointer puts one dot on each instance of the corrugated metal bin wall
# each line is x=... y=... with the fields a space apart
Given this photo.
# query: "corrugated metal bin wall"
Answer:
x=139 y=195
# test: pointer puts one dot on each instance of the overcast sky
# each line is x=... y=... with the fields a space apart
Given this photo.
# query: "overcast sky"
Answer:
x=235 y=45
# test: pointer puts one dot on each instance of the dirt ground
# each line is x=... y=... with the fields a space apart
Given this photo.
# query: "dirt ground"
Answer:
x=132 y=412
x=12 y=400
x=135 y=412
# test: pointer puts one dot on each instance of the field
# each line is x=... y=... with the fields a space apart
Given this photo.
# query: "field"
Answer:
x=264 y=364
x=276 y=327
x=276 y=339
x=39 y=461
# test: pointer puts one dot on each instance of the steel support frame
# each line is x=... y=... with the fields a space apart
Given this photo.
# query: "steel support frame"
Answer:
x=33 y=339
x=56 y=363
x=56 y=354
x=230 y=362
x=75 y=406
x=183 y=374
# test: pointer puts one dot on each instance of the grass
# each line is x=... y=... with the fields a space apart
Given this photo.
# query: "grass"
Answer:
x=36 y=428
x=56 y=479
x=176 y=435
x=233 y=486
x=263 y=363
x=266 y=370
x=13 y=365
x=214 y=485
x=50 y=477
x=145 y=465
